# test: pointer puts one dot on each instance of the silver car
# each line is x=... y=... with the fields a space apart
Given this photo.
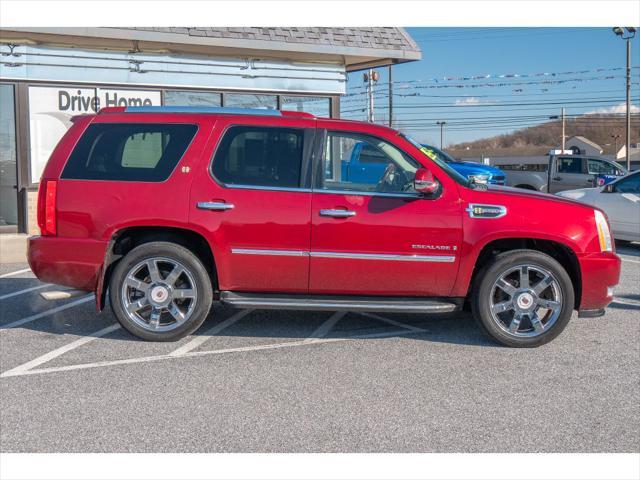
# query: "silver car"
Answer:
x=620 y=200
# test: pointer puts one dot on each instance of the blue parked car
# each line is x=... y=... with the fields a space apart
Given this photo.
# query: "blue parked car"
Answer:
x=367 y=164
x=478 y=172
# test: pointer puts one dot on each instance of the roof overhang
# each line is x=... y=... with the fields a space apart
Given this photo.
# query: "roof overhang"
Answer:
x=353 y=58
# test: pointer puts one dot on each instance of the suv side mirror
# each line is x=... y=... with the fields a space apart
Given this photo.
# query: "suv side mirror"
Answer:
x=608 y=188
x=424 y=182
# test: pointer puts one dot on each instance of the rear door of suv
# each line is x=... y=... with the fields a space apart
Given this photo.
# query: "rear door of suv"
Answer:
x=251 y=198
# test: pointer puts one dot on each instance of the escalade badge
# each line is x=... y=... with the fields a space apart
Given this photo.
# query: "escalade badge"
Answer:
x=477 y=210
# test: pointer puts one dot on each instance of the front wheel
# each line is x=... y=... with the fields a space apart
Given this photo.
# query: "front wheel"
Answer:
x=160 y=291
x=523 y=298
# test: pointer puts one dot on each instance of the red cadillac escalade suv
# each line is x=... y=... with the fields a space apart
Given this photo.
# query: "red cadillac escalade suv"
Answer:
x=167 y=209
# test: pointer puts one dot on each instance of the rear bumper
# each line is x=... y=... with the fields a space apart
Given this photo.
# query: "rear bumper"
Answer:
x=74 y=262
x=600 y=273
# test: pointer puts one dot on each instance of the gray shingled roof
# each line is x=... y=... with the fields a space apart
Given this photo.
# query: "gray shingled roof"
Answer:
x=388 y=38
x=356 y=48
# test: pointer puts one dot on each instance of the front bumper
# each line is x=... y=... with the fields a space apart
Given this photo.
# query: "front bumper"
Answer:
x=74 y=262
x=600 y=273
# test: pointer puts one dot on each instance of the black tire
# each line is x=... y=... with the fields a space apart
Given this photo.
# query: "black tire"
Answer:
x=484 y=291
x=195 y=273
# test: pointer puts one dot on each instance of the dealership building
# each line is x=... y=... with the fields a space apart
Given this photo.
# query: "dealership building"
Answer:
x=49 y=75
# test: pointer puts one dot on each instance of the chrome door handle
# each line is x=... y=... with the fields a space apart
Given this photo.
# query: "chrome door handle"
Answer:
x=214 y=206
x=336 y=213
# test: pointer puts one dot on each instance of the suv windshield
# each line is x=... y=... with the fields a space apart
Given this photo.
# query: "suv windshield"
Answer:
x=440 y=158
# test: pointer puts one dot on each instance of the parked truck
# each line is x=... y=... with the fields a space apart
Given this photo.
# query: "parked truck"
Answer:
x=560 y=171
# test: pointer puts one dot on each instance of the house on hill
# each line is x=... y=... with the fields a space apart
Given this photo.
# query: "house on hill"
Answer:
x=583 y=146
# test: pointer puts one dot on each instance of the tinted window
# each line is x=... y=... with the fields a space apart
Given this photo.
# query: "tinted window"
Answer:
x=260 y=156
x=368 y=164
x=569 y=165
x=145 y=152
x=631 y=184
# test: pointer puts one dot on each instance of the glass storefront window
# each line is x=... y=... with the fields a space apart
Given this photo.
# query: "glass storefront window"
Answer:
x=318 y=106
x=192 y=99
x=247 y=100
x=8 y=172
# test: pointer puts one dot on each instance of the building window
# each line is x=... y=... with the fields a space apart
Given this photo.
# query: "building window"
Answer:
x=318 y=106
x=248 y=100
x=260 y=156
x=192 y=99
x=8 y=179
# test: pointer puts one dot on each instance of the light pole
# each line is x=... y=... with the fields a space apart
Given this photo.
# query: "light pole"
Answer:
x=615 y=144
x=562 y=116
x=630 y=33
x=442 y=124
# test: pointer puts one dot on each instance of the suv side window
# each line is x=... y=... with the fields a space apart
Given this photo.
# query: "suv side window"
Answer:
x=630 y=184
x=377 y=160
x=260 y=156
x=146 y=152
x=596 y=166
x=569 y=165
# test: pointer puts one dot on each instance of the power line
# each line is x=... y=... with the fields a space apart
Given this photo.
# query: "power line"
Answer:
x=585 y=102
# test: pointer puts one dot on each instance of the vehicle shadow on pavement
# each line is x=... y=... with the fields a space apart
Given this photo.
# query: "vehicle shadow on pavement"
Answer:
x=626 y=248
x=257 y=326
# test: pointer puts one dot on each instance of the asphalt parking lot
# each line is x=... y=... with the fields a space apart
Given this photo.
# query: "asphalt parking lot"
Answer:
x=266 y=381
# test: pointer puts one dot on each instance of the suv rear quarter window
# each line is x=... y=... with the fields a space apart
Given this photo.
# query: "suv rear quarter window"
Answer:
x=146 y=152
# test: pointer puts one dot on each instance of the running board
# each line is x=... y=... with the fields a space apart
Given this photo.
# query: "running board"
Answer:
x=341 y=303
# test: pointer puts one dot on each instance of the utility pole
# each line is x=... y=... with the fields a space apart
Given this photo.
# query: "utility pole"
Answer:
x=631 y=33
x=390 y=96
x=442 y=124
x=627 y=150
x=370 y=77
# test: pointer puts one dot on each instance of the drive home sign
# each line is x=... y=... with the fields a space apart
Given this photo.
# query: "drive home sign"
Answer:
x=51 y=109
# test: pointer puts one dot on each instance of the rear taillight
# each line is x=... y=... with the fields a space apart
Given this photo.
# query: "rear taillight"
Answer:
x=47 y=207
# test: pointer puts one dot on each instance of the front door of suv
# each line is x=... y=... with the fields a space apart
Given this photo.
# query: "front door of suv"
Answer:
x=252 y=200
x=375 y=237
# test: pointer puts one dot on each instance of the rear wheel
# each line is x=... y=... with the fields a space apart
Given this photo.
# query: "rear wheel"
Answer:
x=523 y=298
x=160 y=291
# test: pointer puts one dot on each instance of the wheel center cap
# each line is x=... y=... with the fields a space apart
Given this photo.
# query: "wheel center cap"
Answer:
x=525 y=301
x=159 y=294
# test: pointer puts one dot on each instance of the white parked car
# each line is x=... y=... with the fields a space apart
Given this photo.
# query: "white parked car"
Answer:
x=620 y=200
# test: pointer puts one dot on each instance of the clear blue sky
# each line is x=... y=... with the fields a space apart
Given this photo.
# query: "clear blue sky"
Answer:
x=456 y=52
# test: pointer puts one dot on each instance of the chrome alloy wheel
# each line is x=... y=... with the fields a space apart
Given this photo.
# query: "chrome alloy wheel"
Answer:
x=159 y=294
x=526 y=301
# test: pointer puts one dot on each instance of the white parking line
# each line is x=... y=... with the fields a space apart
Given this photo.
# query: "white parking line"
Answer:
x=626 y=302
x=46 y=313
x=17 y=272
x=629 y=260
x=392 y=322
x=25 y=367
x=26 y=290
x=272 y=346
x=325 y=328
x=200 y=339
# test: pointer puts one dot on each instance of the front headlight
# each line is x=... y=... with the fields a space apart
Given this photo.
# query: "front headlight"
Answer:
x=479 y=178
x=604 y=234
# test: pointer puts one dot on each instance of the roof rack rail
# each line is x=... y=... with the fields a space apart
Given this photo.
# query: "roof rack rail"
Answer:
x=211 y=110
